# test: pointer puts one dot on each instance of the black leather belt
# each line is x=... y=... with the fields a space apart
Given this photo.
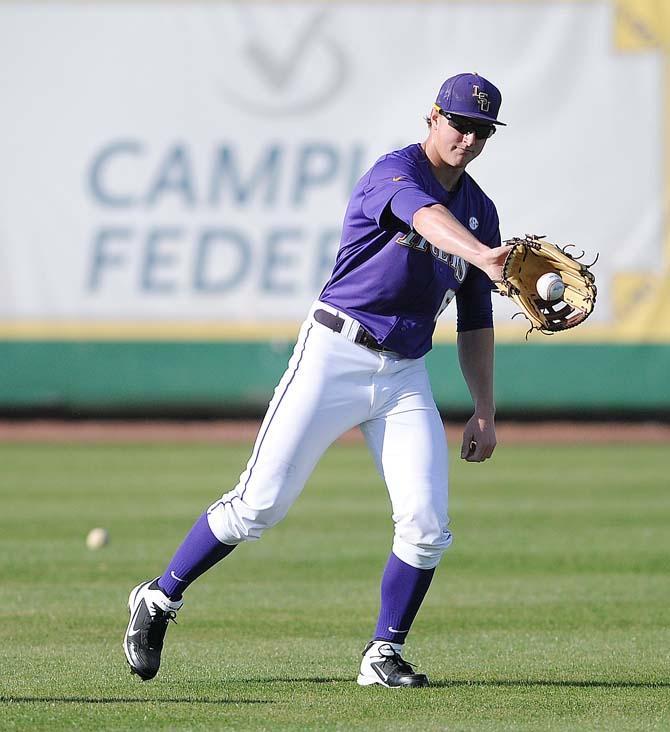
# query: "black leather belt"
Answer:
x=335 y=323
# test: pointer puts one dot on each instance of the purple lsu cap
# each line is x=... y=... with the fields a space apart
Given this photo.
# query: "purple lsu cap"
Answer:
x=470 y=95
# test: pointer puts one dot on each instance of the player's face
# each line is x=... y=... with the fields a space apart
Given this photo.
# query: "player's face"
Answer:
x=455 y=140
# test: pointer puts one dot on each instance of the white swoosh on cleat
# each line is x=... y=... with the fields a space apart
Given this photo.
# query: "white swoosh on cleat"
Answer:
x=132 y=630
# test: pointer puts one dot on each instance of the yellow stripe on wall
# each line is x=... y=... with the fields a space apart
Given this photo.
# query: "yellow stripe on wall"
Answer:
x=133 y=330
x=116 y=331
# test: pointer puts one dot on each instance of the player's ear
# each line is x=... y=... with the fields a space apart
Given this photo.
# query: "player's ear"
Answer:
x=434 y=117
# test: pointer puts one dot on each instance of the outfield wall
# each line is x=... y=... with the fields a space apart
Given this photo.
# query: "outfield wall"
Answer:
x=218 y=378
x=169 y=212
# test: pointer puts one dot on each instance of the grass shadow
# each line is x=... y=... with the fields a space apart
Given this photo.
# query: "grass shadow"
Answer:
x=448 y=684
x=121 y=700
x=568 y=683
x=454 y=683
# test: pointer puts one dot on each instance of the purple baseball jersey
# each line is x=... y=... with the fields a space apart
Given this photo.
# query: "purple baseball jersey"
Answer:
x=391 y=279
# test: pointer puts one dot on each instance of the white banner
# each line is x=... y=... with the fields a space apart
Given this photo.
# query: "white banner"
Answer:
x=168 y=162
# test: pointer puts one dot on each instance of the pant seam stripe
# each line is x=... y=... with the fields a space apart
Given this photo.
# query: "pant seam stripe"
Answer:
x=281 y=398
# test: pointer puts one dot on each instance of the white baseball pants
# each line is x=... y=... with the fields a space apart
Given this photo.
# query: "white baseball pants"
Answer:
x=331 y=385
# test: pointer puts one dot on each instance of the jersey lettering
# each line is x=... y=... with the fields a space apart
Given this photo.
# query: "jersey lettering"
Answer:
x=413 y=240
x=460 y=267
x=439 y=254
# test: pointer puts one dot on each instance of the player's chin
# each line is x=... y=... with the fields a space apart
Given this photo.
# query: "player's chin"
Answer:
x=460 y=158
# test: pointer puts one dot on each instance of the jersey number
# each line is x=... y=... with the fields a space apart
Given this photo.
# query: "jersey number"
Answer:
x=448 y=297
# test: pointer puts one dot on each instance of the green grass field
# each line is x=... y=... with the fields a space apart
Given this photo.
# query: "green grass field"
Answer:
x=550 y=611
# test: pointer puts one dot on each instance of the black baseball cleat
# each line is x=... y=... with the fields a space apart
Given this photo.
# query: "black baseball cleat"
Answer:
x=383 y=664
x=150 y=612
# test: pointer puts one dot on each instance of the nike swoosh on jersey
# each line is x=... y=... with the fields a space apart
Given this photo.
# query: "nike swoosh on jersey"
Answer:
x=396 y=179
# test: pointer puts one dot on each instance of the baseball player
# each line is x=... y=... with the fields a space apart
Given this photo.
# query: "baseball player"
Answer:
x=417 y=233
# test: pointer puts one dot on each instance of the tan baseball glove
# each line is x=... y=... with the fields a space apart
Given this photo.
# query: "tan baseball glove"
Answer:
x=523 y=280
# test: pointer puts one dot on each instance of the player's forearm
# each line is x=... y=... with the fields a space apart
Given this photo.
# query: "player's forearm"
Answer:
x=475 y=355
x=438 y=226
x=442 y=229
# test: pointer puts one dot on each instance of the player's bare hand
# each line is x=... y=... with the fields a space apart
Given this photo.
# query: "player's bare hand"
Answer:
x=492 y=261
x=479 y=439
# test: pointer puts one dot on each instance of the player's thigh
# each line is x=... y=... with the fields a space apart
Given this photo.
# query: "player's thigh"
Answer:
x=409 y=446
x=321 y=395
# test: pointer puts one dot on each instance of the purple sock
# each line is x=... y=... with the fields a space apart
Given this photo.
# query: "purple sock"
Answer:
x=403 y=590
x=199 y=551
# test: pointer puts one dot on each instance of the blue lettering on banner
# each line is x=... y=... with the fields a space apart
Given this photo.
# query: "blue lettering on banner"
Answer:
x=99 y=169
x=102 y=257
x=175 y=176
x=125 y=173
x=278 y=259
x=277 y=254
x=157 y=259
x=230 y=245
x=317 y=166
x=211 y=261
x=266 y=174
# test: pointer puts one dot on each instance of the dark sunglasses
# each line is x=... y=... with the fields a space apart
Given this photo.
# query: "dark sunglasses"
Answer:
x=466 y=125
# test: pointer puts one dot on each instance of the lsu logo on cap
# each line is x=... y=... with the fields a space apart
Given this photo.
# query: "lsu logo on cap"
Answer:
x=482 y=98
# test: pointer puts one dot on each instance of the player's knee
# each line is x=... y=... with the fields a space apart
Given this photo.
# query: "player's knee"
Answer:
x=233 y=521
x=423 y=555
x=261 y=500
x=422 y=537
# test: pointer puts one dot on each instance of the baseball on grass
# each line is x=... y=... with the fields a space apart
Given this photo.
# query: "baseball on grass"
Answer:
x=550 y=287
x=97 y=538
